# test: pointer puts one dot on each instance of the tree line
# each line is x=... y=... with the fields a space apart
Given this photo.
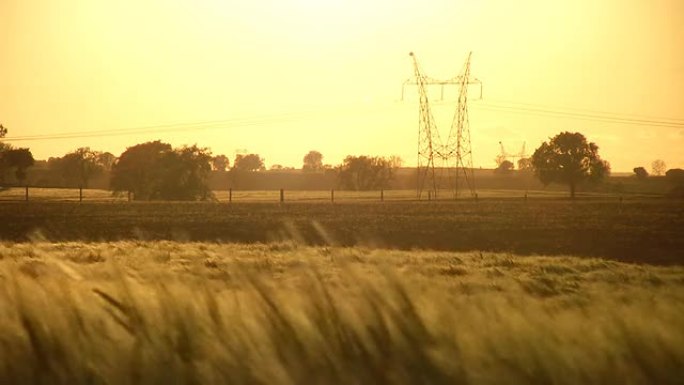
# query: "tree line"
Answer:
x=157 y=171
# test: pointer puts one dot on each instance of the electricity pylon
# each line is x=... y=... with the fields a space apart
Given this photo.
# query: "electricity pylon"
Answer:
x=503 y=156
x=434 y=156
x=428 y=135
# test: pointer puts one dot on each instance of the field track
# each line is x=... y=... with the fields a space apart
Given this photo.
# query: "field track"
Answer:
x=636 y=230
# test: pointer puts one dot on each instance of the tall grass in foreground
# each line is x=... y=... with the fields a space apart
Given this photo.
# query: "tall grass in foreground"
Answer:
x=173 y=313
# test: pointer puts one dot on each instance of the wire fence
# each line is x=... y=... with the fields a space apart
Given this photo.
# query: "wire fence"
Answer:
x=48 y=194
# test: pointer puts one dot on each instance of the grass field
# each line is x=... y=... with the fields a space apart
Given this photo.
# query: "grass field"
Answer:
x=198 y=313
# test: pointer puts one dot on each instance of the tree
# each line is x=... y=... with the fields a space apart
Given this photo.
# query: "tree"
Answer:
x=183 y=174
x=567 y=158
x=20 y=159
x=658 y=167
x=313 y=161
x=249 y=162
x=396 y=161
x=137 y=168
x=106 y=160
x=220 y=162
x=3 y=148
x=81 y=166
x=505 y=167
x=525 y=164
x=499 y=159
x=676 y=178
x=640 y=173
x=155 y=171
x=365 y=173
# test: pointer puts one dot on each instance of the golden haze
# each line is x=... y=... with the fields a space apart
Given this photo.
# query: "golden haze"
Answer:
x=326 y=75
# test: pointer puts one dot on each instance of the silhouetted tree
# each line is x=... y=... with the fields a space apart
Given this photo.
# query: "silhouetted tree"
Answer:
x=313 y=161
x=500 y=158
x=155 y=171
x=396 y=161
x=676 y=178
x=675 y=175
x=106 y=160
x=505 y=167
x=3 y=148
x=568 y=158
x=525 y=164
x=20 y=159
x=80 y=166
x=183 y=174
x=640 y=173
x=365 y=173
x=137 y=168
x=658 y=167
x=249 y=162
x=220 y=162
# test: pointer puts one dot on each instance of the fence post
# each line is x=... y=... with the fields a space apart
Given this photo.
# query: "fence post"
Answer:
x=332 y=196
x=382 y=195
x=282 y=195
x=230 y=195
x=26 y=195
x=80 y=194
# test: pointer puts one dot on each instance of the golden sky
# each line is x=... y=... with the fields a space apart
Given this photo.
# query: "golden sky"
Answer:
x=282 y=77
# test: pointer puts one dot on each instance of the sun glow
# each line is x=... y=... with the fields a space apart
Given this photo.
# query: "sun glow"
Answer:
x=111 y=65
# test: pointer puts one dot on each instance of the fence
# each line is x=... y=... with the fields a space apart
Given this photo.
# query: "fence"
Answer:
x=43 y=194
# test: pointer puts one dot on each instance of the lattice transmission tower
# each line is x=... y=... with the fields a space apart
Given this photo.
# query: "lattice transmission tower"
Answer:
x=454 y=157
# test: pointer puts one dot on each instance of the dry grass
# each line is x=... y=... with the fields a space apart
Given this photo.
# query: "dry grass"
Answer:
x=200 y=313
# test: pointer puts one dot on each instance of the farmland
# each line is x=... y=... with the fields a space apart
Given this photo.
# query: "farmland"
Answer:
x=494 y=290
x=135 y=312
x=645 y=230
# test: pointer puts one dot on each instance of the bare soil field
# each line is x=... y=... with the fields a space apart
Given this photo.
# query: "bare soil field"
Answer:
x=644 y=230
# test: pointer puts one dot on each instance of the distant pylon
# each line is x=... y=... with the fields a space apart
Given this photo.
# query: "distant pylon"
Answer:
x=453 y=156
x=503 y=156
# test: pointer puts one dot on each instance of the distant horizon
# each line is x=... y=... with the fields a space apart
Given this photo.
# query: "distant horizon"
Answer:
x=298 y=166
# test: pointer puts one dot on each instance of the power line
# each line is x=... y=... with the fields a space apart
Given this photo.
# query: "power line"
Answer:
x=531 y=109
x=579 y=116
x=589 y=111
x=496 y=106
x=205 y=125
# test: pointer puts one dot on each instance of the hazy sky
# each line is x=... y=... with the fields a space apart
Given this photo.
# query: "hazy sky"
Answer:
x=282 y=77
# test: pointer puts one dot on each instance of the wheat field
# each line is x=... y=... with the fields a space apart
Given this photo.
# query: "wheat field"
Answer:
x=203 y=313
